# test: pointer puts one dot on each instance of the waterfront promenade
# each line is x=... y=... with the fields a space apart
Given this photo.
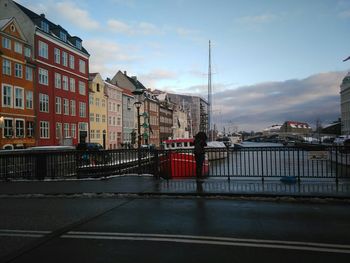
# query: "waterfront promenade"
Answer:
x=144 y=185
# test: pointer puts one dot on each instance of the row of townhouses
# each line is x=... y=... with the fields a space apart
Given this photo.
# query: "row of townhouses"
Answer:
x=49 y=97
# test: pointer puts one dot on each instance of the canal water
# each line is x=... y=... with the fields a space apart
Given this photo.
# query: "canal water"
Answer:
x=275 y=160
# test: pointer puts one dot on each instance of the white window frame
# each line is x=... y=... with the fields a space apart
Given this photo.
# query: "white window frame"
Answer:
x=66 y=106
x=58 y=81
x=29 y=73
x=44 y=130
x=64 y=58
x=57 y=55
x=44 y=105
x=66 y=130
x=73 y=108
x=82 y=66
x=71 y=61
x=6 y=43
x=65 y=83
x=6 y=67
x=29 y=99
x=18 y=70
x=72 y=84
x=21 y=135
x=43 y=50
x=82 y=88
x=43 y=76
x=18 y=48
x=82 y=109
x=27 y=52
x=18 y=101
x=8 y=130
x=73 y=128
x=58 y=105
x=9 y=101
x=30 y=129
x=58 y=130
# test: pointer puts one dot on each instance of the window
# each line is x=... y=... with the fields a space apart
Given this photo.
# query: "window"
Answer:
x=82 y=66
x=92 y=134
x=109 y=120
x=82 y=109
x=43 y=102
x=110 y=106
x=97 y=117
x=57 y=53
x=118 y=107
x=118 y=121
x=66 y=130
x=103 y=103
x=72 y=108
x=72 y=84
x=43 y=76
x=103 y=118
x=71 y=62
x=45 y=26
x=82 y=88
x=97 y=102
x=98 y=87
x=6 y=67
x=18 y=48
x=44 y=130
x=6 y=96
x=65 y=83
x=19 y=128
x=78 y=44
x=57 y=80
x=8 y=128
x=19 y=98
x=63 y=36
x=65 y=106
x=18 y=70
x=29 y=73
x=58 y=107
x=64 y=59
x=43 y=50
x=30 y=129
x=27 y=52
x=91 y=99
x=58 y=130
x=29 y=99
x=92 y=117
x=6 y=43
x=73 y=127
x=98 y=134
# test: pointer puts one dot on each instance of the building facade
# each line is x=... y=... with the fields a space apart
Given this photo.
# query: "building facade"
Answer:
x=150 y=112
x=295 y=127
x=114 y=114
x=345 y=105
x=61 y=81
x=128 y=118
x=166 y=127
x=17 y=87
x=98 y=110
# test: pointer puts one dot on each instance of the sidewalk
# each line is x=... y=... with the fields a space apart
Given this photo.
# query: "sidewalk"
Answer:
x=147 y=185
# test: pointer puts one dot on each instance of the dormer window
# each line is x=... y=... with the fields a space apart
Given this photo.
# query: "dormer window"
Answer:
x=45 y=26
x=78 y=44
x=63 y=36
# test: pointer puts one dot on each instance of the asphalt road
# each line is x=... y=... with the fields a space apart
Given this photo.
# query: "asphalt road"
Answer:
x=172 y=230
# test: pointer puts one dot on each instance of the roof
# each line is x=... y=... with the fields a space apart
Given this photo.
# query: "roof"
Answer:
x=4 y=22
x=36 y=18
x=296 y=124
x=127 y=92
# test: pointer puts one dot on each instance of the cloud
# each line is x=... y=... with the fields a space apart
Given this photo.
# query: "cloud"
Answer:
x=107 y=57
x=141 y=28
x=258 y=19
x=152 y=79
x=258 y=106
x=76 y=15
x=345 y=14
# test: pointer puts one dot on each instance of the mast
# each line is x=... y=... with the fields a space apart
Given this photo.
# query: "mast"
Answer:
x=209 y=91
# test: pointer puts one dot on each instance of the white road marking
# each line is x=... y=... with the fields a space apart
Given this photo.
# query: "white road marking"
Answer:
x=208 y=240
x=22 y=233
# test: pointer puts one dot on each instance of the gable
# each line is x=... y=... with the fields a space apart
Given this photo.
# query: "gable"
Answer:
x=12 y=28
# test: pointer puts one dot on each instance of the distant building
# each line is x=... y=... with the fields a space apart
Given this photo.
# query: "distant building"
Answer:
x=166 y=128
x=197 y=109
x=295 y=127
x=272 y=129
x=97 y=109
x=150 y=109
x=115 y=125
x=345 y=105
x=128 y=117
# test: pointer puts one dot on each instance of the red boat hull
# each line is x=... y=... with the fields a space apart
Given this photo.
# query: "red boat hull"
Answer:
x=180 y=165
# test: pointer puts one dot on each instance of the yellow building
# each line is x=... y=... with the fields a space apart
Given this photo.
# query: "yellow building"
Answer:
x=98 y=109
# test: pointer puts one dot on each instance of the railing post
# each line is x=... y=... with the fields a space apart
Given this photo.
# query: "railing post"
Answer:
x=262 y=164
x=156 y=164
x=228 y=163
x=336 y=164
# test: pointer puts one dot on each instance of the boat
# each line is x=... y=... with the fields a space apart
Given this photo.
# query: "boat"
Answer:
x=178 y=160
x=216 y=150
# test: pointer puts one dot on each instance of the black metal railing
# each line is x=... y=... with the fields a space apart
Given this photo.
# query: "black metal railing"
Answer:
x=251 y=162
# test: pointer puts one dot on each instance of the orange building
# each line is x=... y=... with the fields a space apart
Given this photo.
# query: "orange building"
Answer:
x=17 y=87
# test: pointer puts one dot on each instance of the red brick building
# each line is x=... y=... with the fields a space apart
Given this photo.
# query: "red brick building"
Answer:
x=61 y=82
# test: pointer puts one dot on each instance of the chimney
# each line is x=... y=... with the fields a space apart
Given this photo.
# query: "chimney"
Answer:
x=125 y=73
x=42 y=15
x=134 y=77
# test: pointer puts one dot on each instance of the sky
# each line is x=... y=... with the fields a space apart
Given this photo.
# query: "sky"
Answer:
x=272 y=60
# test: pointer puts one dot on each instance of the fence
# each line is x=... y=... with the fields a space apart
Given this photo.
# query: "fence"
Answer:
x=260 y=162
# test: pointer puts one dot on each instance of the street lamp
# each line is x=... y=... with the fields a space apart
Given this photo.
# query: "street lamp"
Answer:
x=104 y=139
x=138 y=92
